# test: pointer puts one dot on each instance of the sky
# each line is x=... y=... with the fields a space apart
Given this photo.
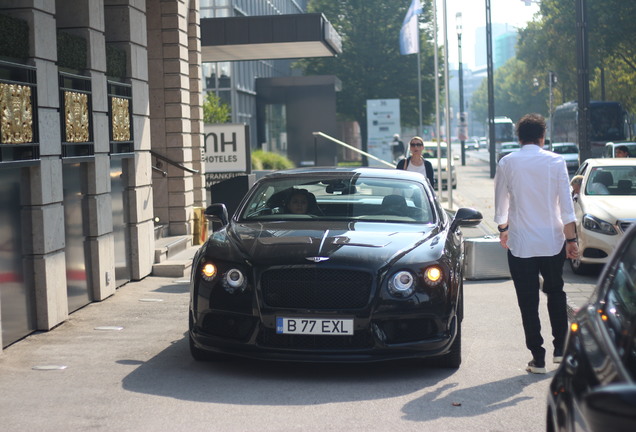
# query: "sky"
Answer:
x=512 y=12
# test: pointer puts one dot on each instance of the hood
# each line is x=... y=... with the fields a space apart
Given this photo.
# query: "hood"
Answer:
x=611 y=207
x=353 y=243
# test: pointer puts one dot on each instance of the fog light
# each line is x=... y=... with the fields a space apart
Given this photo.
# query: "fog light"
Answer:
x=402 y=284
x=574 y=327
x=208 y=271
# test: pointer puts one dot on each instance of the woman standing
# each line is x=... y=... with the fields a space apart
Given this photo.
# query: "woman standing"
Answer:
x=416 y=162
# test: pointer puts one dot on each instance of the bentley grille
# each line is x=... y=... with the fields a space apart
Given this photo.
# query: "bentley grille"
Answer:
x=307 y=288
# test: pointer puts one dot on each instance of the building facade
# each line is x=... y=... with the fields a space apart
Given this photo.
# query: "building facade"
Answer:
x=101 y=136
x=101 y=143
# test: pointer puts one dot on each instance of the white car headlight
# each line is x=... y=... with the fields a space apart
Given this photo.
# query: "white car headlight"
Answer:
x=598 y=225
x=402 y=284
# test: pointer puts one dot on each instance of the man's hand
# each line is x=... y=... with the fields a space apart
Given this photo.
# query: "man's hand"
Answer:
x=571 y=250
x=503 y=239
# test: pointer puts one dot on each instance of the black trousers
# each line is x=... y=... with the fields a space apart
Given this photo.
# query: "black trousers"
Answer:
x=525 y=275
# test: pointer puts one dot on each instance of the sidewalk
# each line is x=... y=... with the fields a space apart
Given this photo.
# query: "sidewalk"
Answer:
x=475 y=189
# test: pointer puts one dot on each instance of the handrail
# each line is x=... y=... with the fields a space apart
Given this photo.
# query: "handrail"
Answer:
x=173 y=163
x=350 y=147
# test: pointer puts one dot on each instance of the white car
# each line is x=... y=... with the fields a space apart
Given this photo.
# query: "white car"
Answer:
x=570 y=153
x=610 y=149
x=430 y=152
x=605 y=209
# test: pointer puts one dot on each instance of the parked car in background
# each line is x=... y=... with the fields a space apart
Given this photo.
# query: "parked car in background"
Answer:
x=371 y=270
x=605 y=209
x=483 y=142
x=430 y=152
x=507 y=147
x=610 y=148
x=570 y=153
x=471 y=144
x=594 y=388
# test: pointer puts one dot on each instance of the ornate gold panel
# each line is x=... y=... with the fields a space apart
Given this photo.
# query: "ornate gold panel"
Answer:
x=16 y=120
x=76 y=116
x=121 y=119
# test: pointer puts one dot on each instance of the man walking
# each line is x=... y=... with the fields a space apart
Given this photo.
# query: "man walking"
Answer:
x=536 y=221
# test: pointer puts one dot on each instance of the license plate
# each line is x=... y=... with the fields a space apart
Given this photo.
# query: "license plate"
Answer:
x=314 y=326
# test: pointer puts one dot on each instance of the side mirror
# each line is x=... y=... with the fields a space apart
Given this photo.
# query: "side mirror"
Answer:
x=217 y=213
x=466 y=217
x=611 y=408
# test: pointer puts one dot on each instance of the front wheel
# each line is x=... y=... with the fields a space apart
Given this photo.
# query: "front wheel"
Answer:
x=579 y=268
x=453 y=359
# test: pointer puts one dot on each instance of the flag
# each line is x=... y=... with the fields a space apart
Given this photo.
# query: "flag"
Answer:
x=410 y=34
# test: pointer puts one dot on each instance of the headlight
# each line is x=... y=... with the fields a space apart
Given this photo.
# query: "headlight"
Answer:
x=208 y=271
x=433 y=275
x=598 y=225
x=402 y=284
x=234 y=281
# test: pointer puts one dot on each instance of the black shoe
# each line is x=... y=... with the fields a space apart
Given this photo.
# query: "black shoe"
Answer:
x=535 y=367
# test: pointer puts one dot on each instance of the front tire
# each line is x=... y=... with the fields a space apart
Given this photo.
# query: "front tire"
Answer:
x=453 y=359
x=582 y=269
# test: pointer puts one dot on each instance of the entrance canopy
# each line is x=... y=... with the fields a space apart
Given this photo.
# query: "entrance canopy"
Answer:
x=268 y=37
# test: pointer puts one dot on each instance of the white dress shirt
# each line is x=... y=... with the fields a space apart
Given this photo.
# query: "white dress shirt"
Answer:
x=532 y=195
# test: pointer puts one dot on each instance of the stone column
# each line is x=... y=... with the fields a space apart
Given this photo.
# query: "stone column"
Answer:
x=44 y=212
x=196 y=102
x=125 y=24
x=86 y=19
x=170 y=111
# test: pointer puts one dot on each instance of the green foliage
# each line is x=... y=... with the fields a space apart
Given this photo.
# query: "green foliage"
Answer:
x=549 y=43
x=514 y=93
x=215 y=111
x=115 y=61
x=14 y=37
x=371 y=66
x=270 y=161
x=72 y=51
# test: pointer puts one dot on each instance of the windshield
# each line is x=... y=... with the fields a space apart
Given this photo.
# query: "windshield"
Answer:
x=565 y=149
x=612 y=180
x=339 y=198
x=430 y=152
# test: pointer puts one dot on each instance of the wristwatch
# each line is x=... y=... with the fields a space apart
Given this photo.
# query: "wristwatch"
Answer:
x=571 y=240
x=504 y=229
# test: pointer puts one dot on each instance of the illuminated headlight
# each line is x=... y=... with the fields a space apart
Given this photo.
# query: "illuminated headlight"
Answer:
x=234 y=281
x=433 y=275
x=402 y=284
x=208 y=271
x=598 y=225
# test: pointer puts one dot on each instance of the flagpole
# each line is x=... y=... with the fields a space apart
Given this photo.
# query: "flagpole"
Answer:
x=419 y=87
x=437 y=128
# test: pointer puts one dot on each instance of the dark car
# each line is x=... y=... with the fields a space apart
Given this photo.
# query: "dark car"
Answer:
x=372 y=270
x=594 y=388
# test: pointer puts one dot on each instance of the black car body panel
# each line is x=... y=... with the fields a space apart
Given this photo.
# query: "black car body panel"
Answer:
x=594 y=388
x=332 y=269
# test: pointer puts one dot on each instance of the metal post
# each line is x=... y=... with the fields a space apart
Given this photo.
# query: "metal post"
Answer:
x=585 y=147
x=491 y=92
x=449 y=160
x=462 y=115
x=437 y=127
x=552 y=80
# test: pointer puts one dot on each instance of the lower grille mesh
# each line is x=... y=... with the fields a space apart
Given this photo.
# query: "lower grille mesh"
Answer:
x=316 y=288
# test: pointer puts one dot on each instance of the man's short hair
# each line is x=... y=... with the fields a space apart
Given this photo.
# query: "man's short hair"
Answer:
x=623 y=148
x=531 y=128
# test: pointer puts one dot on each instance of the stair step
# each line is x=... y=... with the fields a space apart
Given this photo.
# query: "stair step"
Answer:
x=167 y=247
x=178 y=265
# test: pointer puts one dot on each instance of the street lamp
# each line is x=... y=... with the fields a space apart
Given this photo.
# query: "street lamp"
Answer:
x=462 y=115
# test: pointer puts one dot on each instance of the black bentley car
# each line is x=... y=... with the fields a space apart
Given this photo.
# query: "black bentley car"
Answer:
x=332 y=265
x=594 y=388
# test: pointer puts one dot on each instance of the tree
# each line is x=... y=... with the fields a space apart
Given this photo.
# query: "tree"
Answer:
x=549 y=43
x=371 y=66
x=514 y=92
x=215 y=111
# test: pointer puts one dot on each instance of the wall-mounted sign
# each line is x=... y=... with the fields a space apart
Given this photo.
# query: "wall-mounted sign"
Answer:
x=226 y=151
